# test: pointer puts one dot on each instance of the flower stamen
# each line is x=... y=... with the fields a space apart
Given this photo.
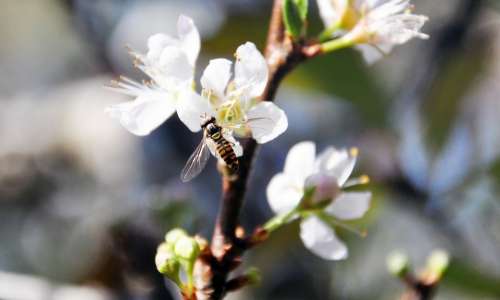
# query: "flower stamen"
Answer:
x=363 y=179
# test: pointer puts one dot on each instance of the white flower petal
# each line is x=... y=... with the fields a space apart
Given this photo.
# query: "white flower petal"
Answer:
x=189 y=38
x=350 y=205
x=399 y=29
x=321 y=239
x=370 y=4
x=175 y=68
x=337 y=163
x=331 y=10
x=283 y=194
x=299 y=162
x=370 y=54
x=266 y=121
x=156 y=44
x=388 y=8
x=251 y=70
x=192 y=108
x=216 y=76
x=145 y=113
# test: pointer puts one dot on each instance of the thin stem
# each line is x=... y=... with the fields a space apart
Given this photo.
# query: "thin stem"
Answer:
x=279 y=220
x=177 y=280
x=336 y=44
x=190 y=278
x=327 y=34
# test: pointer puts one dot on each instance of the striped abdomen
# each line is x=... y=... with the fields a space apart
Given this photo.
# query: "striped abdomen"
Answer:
x=226 y=152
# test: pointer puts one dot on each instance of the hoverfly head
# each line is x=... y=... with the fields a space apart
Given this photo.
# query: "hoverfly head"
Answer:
x=212 y=129
x=205 y=120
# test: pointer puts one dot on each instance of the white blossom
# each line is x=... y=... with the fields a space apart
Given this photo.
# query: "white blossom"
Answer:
x=170 y=63
x=325 y=175
x=232 y=100
x=376 y=26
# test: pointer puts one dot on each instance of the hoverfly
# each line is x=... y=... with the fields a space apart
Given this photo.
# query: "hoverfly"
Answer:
x=212 y=133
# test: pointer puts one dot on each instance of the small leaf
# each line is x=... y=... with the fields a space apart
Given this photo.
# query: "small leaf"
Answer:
x=302 y=6
x=294 y=16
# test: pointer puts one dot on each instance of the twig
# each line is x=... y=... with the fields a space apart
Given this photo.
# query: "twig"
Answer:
x=213 y=267
x=419 y=289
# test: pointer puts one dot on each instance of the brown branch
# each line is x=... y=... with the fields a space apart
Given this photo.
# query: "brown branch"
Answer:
x=422 y=287
x=226 y=249
x=419 y=291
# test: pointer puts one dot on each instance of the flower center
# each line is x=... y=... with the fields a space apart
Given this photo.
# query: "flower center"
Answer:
x=231 y=113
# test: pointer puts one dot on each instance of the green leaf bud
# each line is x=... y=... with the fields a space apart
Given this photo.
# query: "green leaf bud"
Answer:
x=398 y=263
x=294 y=17
x=187 y=248
x=166 y=262
x=437 y=263
x=174 y=235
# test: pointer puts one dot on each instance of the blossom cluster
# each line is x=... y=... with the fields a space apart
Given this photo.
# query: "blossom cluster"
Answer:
x=176 y=255
x=170 y=63
x=374 y=27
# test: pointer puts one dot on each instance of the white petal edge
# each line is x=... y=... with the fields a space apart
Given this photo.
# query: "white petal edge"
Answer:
x=320 y=239
x=266 y=121
x=329 y=13
x=369 y=53
x=384 y=9
x=156 y=43
x=338 y=163
x=350 y=205
x=189 y=38
x=370 y=4
x=192 y=108
x=299 y=161
x=143 y=115
x=282 y=193
x=399 y=29
x=216 y=76
x=251 y=71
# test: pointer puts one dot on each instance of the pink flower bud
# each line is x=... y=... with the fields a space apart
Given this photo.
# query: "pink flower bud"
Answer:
x=324 y=188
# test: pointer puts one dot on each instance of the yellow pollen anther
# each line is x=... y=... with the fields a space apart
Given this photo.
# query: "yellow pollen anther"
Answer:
x=354 y=151
x=364 y=179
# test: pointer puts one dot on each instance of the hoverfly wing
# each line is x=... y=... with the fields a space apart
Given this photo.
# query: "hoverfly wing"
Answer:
x=196 y=162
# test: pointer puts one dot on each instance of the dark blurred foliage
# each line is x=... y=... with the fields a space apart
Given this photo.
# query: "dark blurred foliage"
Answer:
x=83 y=202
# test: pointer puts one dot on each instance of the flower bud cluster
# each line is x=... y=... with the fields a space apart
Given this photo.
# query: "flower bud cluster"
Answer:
x=177 y=255
x=438 y=261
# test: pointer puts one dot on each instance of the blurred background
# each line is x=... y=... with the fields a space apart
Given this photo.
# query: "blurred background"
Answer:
x=83 y=203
